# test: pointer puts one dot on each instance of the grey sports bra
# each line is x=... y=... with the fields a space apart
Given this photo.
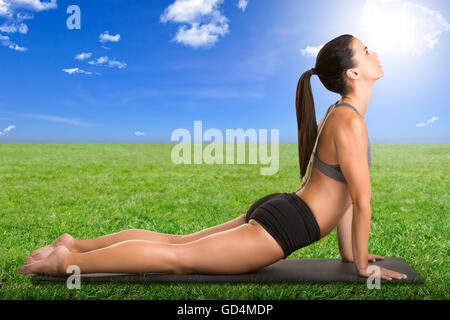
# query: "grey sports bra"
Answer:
x=334 y=171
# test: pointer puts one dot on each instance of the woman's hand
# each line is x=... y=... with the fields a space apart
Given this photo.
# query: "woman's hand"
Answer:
x=374 y=257
x=371 y=258
x=385 y=274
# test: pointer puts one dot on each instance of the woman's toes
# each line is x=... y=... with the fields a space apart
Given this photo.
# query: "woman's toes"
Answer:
x=29 y=260
x=63 y=240
x=40 y=256
x=24 y=270
x=54 y=264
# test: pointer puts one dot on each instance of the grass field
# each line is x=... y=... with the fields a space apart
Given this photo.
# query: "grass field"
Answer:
x=88 y=190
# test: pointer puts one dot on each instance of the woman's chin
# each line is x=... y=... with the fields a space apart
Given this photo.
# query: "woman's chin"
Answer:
x=381 y=74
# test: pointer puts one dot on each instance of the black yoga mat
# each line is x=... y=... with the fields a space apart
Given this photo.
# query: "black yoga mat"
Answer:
x=283 y=271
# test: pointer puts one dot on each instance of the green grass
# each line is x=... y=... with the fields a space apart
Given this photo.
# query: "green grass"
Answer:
x=89 y=190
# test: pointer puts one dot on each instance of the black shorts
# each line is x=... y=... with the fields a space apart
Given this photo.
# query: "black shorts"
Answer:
x=287 y=218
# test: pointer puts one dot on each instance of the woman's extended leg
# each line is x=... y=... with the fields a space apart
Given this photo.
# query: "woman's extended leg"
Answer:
x=75 y=245
x=242 y=249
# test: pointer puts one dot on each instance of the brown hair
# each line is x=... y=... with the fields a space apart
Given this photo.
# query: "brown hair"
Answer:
x=332 y=61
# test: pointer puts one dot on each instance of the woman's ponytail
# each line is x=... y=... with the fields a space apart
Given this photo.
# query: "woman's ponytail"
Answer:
x=306 y=121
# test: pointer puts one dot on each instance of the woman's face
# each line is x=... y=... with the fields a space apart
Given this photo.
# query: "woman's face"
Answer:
x=367 y=63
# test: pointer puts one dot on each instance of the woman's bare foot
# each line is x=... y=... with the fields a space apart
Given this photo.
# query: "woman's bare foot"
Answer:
x=65 y=240
x=54 y=264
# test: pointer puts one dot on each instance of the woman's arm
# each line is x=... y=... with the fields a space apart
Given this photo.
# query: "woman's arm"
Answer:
x=351 y=145
x=344 y=235
x=360 y=235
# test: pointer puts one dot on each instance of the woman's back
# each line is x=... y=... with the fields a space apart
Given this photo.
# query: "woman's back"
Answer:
x=334 y=171
x=328 y=198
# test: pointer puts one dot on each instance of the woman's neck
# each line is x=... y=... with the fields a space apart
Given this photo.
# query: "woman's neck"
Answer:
x=360 y=100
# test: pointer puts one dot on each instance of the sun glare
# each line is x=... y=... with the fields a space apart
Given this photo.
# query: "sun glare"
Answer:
x=400 y=26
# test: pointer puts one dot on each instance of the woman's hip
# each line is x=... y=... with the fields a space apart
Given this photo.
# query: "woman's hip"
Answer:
x=287 y=219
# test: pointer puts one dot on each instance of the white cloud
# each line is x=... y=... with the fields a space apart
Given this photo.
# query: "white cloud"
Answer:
x=189 y=10
x=22 y=16
x=206 y=35
x=310 y=51
x=14 y=27
x=139 y=133
x=99 y=61
x=4 y=8
x=429 y=122
x=16 y=47
x=83 y=56
x=105 y=37
x=14 y=9
x=106 y=61
x=76 y=70
x=117 y=64
x=15 y=12
x=195 y=12
x=242 y=4
x=74 y=122
x=6 y=42
x=106 y=48
x=32 y=5
x=6 y=131
x=398 y=25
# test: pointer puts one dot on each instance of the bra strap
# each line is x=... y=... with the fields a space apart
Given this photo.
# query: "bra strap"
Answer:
x=348 y=105
x=311 y=159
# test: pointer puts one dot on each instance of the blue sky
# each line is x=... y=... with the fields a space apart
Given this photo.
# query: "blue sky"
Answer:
x=230 y=64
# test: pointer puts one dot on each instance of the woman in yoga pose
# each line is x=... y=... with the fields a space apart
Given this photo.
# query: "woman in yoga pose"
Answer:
x=330 y=196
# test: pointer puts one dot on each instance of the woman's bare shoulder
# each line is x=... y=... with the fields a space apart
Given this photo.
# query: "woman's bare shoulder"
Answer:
x=343 y=118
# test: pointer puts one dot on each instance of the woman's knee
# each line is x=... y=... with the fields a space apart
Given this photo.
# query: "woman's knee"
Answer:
x=181 y=260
